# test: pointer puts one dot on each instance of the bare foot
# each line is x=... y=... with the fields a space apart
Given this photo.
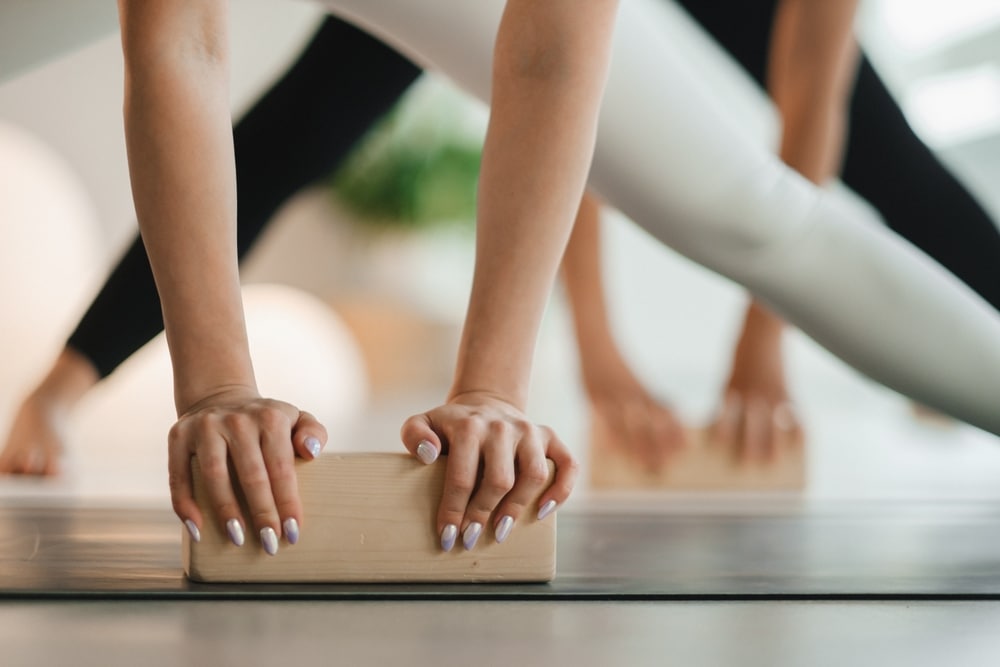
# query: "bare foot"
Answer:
x=37 y=439
x=757 y=421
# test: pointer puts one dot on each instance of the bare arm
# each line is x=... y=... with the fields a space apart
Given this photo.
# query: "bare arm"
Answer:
x=550 y=64
x=624 y=414
x=810 y=76
x=179 y=139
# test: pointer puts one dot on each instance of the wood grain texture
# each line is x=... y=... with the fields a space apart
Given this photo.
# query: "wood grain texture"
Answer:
x=370 y=518
x=701 y=466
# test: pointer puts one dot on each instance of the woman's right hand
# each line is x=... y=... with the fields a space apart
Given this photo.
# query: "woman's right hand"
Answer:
x=243 y=441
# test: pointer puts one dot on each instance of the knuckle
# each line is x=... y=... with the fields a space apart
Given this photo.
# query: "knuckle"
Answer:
x=465 y=428
x=522 y=425
x=501 y=429
x=282 y=470
x=287 y=506
x=176 y=482
x=213 y=468
x=255 y=479
x=458 y=487
x=226 y=508
x=535 y=474
x=272 y=418
x=235 y=422
x=498 y=482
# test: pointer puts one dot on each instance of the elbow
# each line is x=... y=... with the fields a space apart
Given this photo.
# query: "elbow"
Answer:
x=163 y=33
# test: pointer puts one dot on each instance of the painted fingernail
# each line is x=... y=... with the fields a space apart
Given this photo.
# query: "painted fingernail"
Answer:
x=235 y=530
x=503 y=528
x=291 y=528
x=546 y=509
x=471 y=535
x=193 y=530
x=269 y=539
x=426 y=452
x=314 y=446
x=448 y=536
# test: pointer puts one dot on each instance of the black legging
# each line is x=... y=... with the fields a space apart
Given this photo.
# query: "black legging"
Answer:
x=345 y=80
x=302 y=129
x=884 y=161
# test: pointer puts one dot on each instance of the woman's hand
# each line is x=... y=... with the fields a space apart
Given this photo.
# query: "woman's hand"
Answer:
x=496 y=465
x=236 y=432
x=756 y=420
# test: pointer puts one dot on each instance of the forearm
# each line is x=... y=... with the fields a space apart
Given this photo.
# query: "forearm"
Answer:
x=179 y=140
x=811 y=72
x=550 y=63
x=583 y=275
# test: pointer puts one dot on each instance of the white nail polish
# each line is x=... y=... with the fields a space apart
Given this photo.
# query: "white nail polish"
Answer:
x=269 y=539
x=546 y=509
x=426 y=452
x=503 y=528
x=193 y=530
x=291 y=528
x=448 y=536
x=471 y=535
x=314 y=446
x=235 y=530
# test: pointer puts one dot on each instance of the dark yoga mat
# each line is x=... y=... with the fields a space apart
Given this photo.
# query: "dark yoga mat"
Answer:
x=861 y=552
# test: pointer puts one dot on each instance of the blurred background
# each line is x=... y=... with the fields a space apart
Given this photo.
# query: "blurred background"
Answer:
x=356 y=296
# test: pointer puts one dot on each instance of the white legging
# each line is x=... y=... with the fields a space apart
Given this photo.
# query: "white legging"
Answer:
x=669 y=159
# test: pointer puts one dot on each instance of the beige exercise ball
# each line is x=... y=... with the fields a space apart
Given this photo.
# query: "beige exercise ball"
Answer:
x=50 y=257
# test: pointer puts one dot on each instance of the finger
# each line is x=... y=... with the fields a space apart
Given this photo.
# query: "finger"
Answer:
x=567 y=472
x=756 y=434
x=532 y=476
x=459 y=482
x=34 y=461
x=495 y=481
x=609 y=419
x=246 y=440
x=788 y=427
x=279 y=459
x=419 y=437
x=725 y=429
x=50 y=464
x=669 y=434
x=308 y=436
x=641 y=438
x=181 y=485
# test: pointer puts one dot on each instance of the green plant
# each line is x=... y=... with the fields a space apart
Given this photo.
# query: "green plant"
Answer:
x=416 y=169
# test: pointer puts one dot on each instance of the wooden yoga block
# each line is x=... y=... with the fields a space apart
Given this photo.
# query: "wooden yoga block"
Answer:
x=370 y=518
x=702 y=466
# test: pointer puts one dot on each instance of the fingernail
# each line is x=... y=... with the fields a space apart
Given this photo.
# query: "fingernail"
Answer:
x=448 y=536
x=314 y=446
x=426 y=452
x=291 y=528
x=269 y=539
x=546 y=509
x=471 y=535
x=503 y=528
x=235 y=530
x=193 y=530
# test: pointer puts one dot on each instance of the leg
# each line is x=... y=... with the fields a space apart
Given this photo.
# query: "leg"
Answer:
x=669 y=159
x=888 y=165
